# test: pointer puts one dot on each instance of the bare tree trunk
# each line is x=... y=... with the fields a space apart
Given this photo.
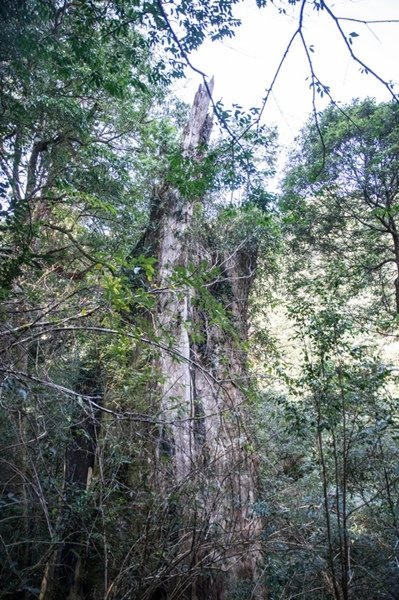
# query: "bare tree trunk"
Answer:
x=204 y=467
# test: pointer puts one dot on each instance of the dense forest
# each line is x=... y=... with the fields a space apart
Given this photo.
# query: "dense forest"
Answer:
x=198 y=375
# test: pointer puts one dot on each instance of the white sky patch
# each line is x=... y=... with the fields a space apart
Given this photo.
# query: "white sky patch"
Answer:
x=244 y=66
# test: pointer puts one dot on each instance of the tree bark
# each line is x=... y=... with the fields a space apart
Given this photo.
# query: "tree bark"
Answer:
x=204 y=466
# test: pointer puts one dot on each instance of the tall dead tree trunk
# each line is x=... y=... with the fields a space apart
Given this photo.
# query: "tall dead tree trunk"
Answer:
x=204 y=467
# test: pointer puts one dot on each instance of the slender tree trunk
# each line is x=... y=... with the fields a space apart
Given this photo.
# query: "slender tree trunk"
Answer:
x=327 y=514
x=395 y=237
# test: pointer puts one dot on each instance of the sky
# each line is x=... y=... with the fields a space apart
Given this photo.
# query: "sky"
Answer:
x=244 y=66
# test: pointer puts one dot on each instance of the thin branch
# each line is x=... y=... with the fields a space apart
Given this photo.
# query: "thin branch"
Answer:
x=315 y=82
x=93 y=401
x=93 y=259
x=137 y=338
x=366 y=68
x=55 y=386
x=280 y=65
x=37 y=323
x=366 y=22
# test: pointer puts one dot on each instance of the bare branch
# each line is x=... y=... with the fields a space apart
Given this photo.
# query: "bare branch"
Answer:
x=364 y=66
